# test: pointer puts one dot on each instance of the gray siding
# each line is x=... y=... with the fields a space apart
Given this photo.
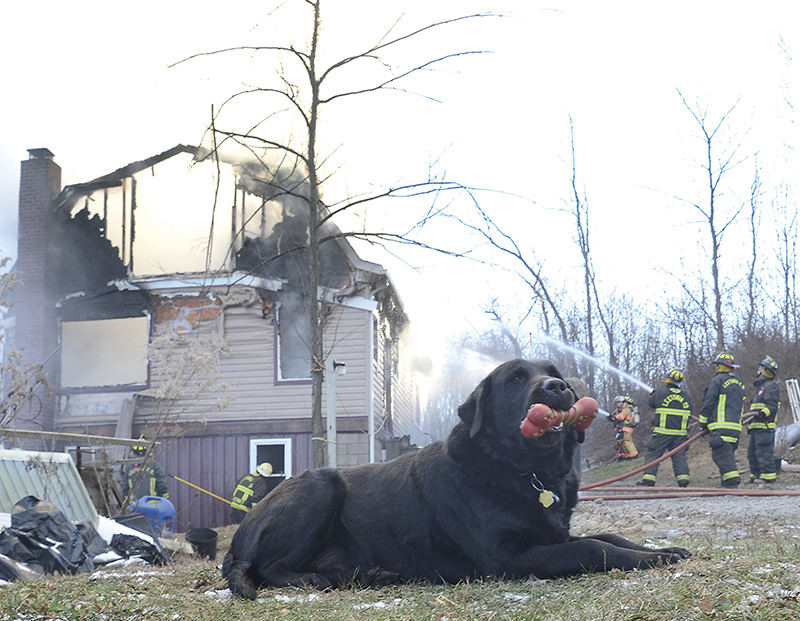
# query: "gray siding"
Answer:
x=244 y=385
x=210 y=446
x=405 y=406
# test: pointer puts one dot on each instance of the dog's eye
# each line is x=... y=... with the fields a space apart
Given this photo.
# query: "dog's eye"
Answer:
x=517 y=378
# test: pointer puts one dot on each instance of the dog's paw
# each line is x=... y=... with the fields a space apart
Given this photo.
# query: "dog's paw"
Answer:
x=662 y=558
x=316 y=581
x=682 y=552
x=376 y=577
x=384 y=577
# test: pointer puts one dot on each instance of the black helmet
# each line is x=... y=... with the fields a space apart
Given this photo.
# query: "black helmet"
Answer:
x=140 y=449
x=727 y=360
x=674 y=375
x=769 y=364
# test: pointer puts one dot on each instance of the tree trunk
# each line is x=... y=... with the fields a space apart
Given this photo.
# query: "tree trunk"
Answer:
x=315 y=319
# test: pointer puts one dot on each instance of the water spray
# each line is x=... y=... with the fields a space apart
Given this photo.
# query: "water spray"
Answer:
x=596 y=361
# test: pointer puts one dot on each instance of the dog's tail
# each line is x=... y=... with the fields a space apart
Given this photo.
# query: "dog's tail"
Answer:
x=239 y=581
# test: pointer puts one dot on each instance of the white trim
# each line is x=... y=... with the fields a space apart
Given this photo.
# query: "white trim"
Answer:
x=371 y=388
x=287 y=452
x=355 y=301
x=175 y=281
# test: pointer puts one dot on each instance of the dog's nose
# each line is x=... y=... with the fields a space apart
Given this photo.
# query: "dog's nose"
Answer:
x=556 y=386
x=555 y=393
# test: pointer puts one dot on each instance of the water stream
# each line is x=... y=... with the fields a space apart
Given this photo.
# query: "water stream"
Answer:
x=602 y=364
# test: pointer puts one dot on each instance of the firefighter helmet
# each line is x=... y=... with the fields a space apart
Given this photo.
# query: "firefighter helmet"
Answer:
x=769 y=364
x=264 y=469
x=727 y=360
x=141 y=448
x=623 y=399
x=674 y=375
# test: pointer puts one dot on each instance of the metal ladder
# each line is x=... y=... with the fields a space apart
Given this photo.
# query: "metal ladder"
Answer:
x=793 y=390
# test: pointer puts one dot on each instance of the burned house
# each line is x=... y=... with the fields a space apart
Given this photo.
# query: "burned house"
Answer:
x=167 y=299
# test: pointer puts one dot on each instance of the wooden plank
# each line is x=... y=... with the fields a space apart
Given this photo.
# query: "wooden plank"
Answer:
x=71 y=437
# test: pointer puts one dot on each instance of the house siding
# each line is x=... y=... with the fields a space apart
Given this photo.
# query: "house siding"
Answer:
x=405 y=404
x=256 y=401
x=247 y=371
x=216 y=462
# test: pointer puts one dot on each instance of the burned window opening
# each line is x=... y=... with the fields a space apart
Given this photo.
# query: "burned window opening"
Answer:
x=104 y=352
x=81 y=256
x=292 y=327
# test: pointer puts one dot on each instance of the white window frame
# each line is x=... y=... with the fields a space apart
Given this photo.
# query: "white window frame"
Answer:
x=287 y=452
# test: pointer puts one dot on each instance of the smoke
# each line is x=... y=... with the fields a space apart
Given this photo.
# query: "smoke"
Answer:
x=293 y=336
x=454 y=374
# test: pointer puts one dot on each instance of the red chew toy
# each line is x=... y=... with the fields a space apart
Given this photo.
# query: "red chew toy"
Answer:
x=540 y=418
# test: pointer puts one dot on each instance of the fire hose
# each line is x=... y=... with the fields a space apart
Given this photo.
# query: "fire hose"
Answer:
x=197 y=487
x=681 y=446
x=671 y=492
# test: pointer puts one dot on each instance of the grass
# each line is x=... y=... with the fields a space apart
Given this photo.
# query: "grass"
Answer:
x=749 y=572
x=756 y=576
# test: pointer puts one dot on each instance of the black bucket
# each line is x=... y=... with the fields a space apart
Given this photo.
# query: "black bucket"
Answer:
x=204 y=541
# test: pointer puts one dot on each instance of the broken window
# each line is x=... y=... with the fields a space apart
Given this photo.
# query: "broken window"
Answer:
x=293 y=344
x=106 y=352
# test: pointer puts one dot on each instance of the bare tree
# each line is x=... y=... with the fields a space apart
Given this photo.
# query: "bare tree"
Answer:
x=715 y=168
x=581 y=212
x=305 y=94
x=786 y=220
x=20 y=381
x=755 y=190
x=529 y=269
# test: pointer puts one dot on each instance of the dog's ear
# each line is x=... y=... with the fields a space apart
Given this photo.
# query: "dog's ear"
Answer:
x=577 y=386
x=471 y=411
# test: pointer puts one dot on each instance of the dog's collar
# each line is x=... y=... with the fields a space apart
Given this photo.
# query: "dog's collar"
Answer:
x=546 y=497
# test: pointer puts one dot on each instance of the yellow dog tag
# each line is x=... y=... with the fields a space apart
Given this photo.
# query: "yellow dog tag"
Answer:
x=546 y=498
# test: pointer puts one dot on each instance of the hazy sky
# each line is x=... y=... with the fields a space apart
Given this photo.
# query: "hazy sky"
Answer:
x=89 y=80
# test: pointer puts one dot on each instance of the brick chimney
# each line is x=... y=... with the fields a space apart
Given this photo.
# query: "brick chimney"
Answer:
x=35 y=326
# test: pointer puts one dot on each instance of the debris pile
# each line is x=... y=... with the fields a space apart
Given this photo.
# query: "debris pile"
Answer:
x=40 y=540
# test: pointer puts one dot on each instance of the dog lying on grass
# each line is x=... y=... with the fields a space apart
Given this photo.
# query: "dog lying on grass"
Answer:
x=486 y=502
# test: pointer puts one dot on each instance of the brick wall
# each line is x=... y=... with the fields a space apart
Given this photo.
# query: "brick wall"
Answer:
x=352 y=449
x=35 y=327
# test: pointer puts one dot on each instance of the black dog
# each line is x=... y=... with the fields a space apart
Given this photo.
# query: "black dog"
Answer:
x=486 y=502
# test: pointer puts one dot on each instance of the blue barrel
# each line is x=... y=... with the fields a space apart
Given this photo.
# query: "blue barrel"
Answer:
x=160 y=511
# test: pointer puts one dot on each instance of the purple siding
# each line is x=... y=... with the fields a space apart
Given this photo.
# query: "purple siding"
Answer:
x=215 y=463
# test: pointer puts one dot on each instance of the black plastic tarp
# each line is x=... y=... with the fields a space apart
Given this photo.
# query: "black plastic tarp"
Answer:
x=41 y=540
x=44 y=539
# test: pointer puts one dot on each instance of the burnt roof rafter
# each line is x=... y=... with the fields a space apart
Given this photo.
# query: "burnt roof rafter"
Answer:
x=70 y=195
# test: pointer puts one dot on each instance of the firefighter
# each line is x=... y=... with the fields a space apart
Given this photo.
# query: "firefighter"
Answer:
x=761 y=420
x=250 y=489
x=146 y=477
x=672 y=410
x=624 y=419
x=721 y=415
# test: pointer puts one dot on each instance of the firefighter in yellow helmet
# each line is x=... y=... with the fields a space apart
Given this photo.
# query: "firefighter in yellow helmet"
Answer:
x=145 y=477
x=624 y=420
x=251 y=488
x=761 y=421
x=721 y=415
x=672 y=410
